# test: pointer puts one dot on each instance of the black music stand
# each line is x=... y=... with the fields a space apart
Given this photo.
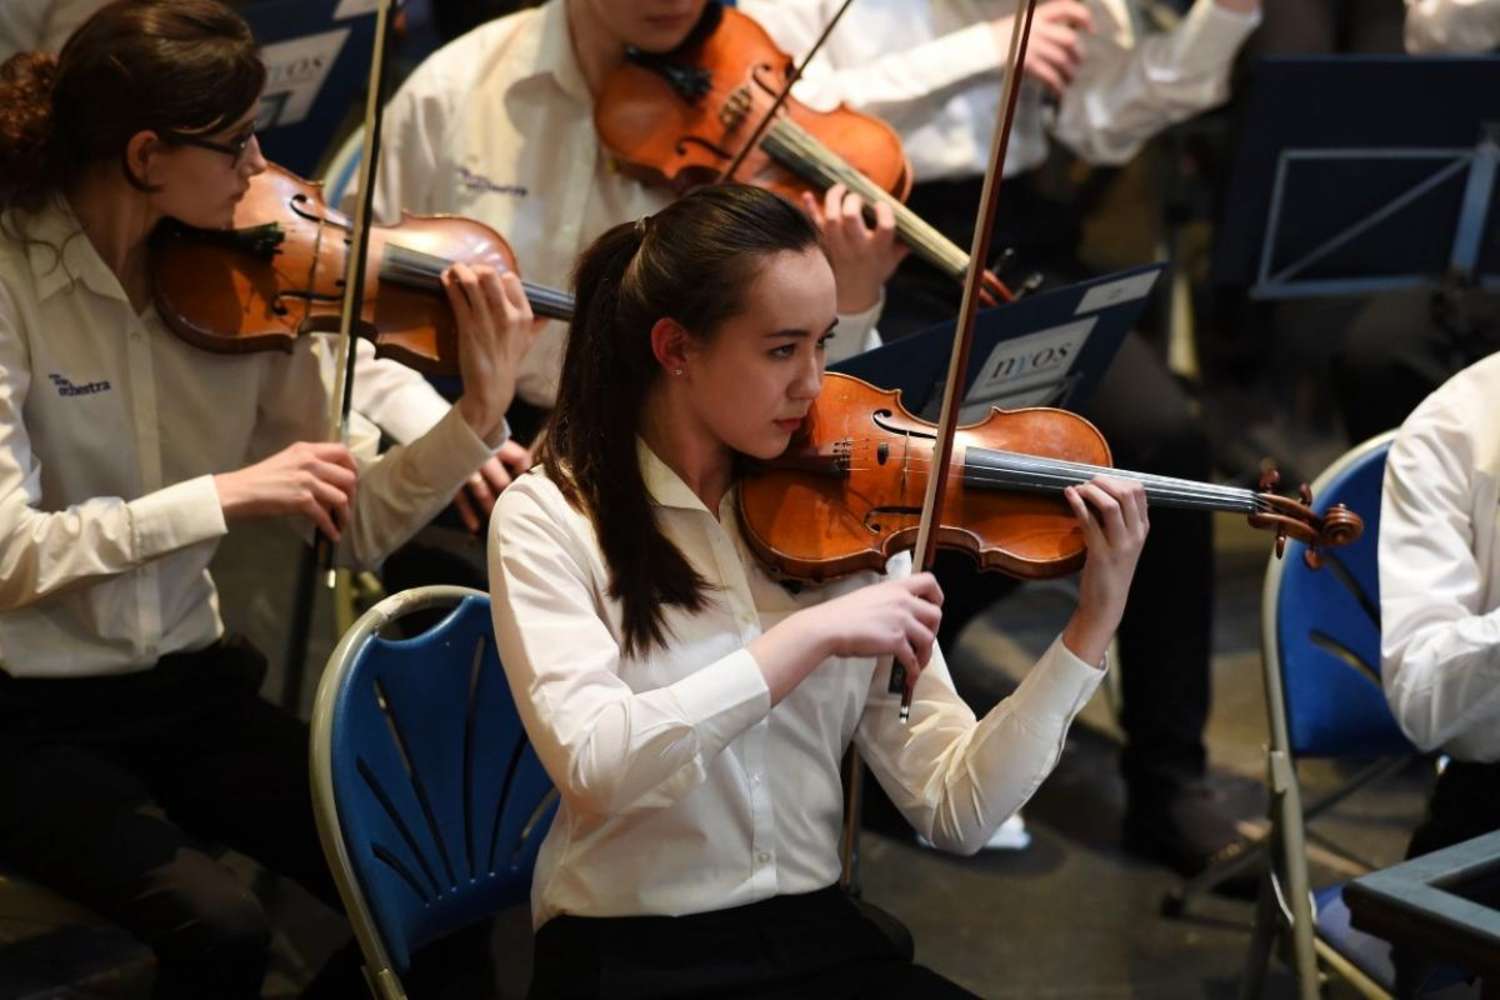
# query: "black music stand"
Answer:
x=1359 y=174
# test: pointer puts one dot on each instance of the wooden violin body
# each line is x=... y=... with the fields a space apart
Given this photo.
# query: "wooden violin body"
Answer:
x=848 y=492
x=679 y=119
x=682 y=122
x=279 y=273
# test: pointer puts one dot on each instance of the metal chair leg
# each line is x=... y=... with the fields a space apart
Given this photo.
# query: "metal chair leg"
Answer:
x=1262 y=939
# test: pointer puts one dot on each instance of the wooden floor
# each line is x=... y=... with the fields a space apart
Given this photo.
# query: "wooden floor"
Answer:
x=1071 y=916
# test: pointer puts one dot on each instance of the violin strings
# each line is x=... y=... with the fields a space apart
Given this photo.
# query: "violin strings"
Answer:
x=416 y=268
x=1019 y=470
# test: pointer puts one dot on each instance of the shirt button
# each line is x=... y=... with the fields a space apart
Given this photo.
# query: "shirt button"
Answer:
x=754 y=779
x=763 y=858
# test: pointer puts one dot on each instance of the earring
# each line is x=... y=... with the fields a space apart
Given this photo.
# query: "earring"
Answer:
x=676 y=371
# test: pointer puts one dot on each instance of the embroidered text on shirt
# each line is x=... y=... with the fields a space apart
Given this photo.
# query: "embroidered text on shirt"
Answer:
x=67 y=388
x=479 y=182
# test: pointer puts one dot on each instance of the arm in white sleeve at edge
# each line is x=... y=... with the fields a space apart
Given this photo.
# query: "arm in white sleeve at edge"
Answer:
x=1440 y=643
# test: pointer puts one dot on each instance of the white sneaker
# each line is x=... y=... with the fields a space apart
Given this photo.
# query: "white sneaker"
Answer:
x=1011 y=836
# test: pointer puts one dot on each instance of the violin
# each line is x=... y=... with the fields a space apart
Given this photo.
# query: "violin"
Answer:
x=679 y=119
x=848 y=492
x=279 y=273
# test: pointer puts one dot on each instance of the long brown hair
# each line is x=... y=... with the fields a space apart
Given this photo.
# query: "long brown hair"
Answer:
x=175 y=67
x=691 y=262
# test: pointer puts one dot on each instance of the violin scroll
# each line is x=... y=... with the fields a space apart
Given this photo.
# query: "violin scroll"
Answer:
x=1296 y=519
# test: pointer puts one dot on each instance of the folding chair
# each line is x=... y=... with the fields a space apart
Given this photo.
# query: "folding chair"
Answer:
x=1320 y=634
x=430 y=802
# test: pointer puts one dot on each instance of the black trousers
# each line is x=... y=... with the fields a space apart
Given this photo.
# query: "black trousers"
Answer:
x=1165 y=637
x=1403 y=345
x=818 y=946
x=114 y=791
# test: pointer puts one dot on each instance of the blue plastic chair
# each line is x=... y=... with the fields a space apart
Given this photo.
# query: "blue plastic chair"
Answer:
x=1320 y=634
x=430 y=802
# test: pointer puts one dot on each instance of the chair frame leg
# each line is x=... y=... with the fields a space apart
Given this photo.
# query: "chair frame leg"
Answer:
x=1262 y=940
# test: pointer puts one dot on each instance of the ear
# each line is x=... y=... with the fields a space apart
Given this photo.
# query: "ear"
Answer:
x=671 y=343
x=140 y=153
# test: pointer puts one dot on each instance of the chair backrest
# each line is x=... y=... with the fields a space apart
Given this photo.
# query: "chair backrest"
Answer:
x=430 y=801
x=1321 y=628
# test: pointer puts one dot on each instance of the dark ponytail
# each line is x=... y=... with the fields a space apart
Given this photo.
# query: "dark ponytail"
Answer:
x=691 y=262
x=175 y=67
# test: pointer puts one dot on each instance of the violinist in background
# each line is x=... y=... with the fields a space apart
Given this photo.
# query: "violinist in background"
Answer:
x=693 y=712
x=1402 y=345
x=131 y=730
x=932 y=69
x=498 y=126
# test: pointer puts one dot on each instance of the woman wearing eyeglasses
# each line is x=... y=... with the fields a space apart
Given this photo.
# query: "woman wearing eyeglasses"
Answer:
x=131 y=731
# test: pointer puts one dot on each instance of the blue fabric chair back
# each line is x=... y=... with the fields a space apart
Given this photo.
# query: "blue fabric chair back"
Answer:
x=442 y=803
x=1327 y=626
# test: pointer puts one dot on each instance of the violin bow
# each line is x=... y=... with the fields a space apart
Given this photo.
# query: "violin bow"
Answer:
x=727 y=174
x=320 y=555
x=963 y=337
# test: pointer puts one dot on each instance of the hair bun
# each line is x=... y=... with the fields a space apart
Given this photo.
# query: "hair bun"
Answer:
x=26 y=83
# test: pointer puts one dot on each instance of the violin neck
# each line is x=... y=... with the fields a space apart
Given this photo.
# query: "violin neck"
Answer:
x=985 y=468
x=415 y=269
x=805 y=155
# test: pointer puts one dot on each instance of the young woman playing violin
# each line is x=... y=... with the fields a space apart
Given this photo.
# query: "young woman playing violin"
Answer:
x=692 y=711
x=130 y=725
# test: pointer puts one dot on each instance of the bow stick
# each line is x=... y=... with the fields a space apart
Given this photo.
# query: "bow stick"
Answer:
x=963 y=337
x=320 y=554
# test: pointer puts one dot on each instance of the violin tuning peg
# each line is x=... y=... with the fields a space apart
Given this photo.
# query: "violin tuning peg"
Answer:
x=1270 y=476
x=1306 y=493
x=1312 y=557
x=1280 y=544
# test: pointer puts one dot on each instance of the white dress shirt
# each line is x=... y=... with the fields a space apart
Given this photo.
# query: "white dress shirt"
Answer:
x=1440 y=568
x=933 y=69
x=683 y=790
x=41 y=25
x=111 y=430
x=1452 y=26
x=499 y=126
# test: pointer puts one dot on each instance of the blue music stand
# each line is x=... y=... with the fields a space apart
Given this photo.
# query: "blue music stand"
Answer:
x=317 y=55
x=1046 y=349
x=1360 y=174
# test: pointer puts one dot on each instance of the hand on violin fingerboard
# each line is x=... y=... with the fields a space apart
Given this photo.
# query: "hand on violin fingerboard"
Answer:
x=863 y=256
x=1112 y=514
x=495 y=330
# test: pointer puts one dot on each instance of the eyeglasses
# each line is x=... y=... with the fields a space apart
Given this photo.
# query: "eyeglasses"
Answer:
x=234 y=149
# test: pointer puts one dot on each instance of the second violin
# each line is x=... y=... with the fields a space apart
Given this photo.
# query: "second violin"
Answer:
x=279 y=273
x=680 y=118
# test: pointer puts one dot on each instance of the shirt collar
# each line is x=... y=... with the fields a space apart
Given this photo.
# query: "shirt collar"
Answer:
x=60 y=253
x=666 y=487
x=551 y=53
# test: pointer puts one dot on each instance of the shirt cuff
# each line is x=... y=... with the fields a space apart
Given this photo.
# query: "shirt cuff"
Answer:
x=723 y=700
x=173 y=518
x=1210 y=37
x=452 y=451
x=1058 y=686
